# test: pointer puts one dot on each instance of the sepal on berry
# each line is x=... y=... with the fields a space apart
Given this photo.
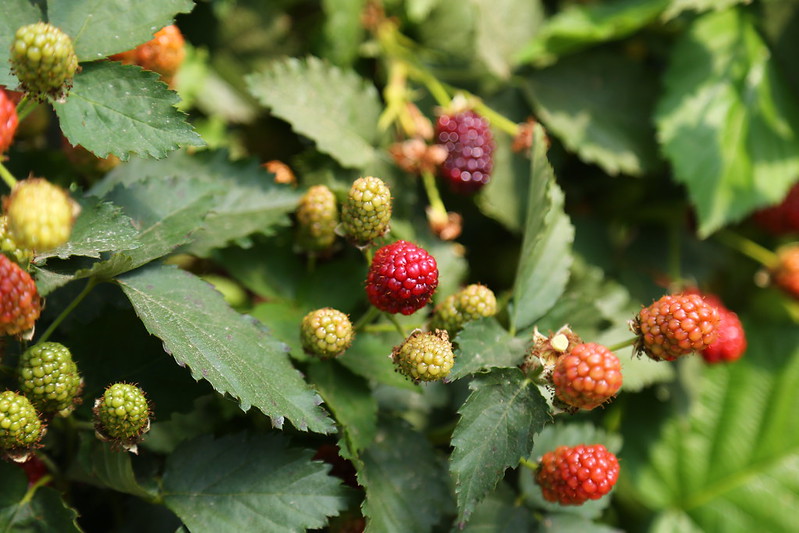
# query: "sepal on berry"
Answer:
x=545 y=352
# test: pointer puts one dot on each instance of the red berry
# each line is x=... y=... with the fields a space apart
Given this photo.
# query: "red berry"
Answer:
x=574 y=475
x=164 y=53
x=587 y=376
x=676 y=325
x=786 y=273
x=8 y=120
x=731 y=342
x=402 y=278
x=34 y=468
x=19 y=300
x=470 y=147
x=783 y=217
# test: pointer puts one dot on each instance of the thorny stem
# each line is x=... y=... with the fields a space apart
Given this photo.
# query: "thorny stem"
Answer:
x=7 y=176
x=24 y=107
x=529 y=464
x=748 y=247
x=623 y=344
x=78 y=299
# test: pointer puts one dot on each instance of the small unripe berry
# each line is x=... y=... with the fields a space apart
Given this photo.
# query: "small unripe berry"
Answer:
x=49 y=377
x=20 y=426
x=326 y=333
x=122 y=415
x=43 y=59
x=470 y=303
x=424 y=356
x=367 y=210
x=40 y=214
x=317 y=218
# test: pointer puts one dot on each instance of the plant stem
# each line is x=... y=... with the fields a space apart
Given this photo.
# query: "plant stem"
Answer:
x=24 y=107
x=367 y=254
x=397 y=325
x=623 y=344
x=436 y=88
x=532 y=466
x=367 y=318
x=44 y=480
x=496 y=119
x=748 y=248
x=7 y=176
x=89 y=286
x=433 y=196
x=383 y=328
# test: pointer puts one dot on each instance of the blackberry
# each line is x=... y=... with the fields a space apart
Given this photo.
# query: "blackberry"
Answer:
x=402 y=278
x=43 y=59
x=470 y=303
x=574 y=475
x=317 y=218
x=424 y=356
x=367 y=210
x=470 y=148
x=326 y=333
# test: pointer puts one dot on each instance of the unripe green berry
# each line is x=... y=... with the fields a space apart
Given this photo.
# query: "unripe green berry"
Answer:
x=9 y=247
x=49 y=378
x=40 y=214
x=20 y=426
x=317 y=218
x=326 y=332
x=424 y=356
x=470 y=303
x=43 y=59
x=367 y=210
x=122 y=413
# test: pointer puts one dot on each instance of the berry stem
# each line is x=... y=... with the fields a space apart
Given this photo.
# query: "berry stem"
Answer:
x=368 y=254
x=436 y=88
x=496 y=119
x=438 y=211
x=383 y=328
x=86 y=290
x=7 y=176
x=623 y=344
x=397 y=325
x=748 y=248
x=529 y=464
x=367 y=318
x=44 y=480
x=24 y=107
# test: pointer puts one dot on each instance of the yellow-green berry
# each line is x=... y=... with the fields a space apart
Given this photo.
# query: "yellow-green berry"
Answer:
x=49 y=378
x=43 y=59
x=40 y=214
x=122 y=414
x=20 y=426
x=367 y=210
x=326 y=332
x=424 y=356
x=470 y=303
x=317 y=218
x=9 y=247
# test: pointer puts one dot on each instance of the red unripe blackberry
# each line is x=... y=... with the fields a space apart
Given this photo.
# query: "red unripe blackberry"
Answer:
x=783 y=217
x=587 y=376
x=676 y=325
x=470 y=148
x=786 y=274
x=424 y=356
x=8 y=120
x=574 y=475
x=402 y=278
x=19 y=299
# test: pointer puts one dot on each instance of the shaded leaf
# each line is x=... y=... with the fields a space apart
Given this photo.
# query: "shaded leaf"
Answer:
x=235 y=355
x=249 y=483
x=16 y=13
x=679 y=6
x=98 y=30
x=502 y=28
x=505 y=197
x=343 y=30
x=44 y=513
x=499 y=513
x=370 y=357
x=484 y=344
x=498 y=422
x=110 y=468
x=333 y=107
x=123 y=110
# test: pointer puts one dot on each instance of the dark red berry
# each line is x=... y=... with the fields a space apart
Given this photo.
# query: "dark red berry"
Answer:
x=402 y=278
x=574 y=475
x=470 y=147
x=781 y=218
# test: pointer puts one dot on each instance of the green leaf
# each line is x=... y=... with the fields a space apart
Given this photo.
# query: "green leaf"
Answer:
x=235 y=355
x=343 y=31
x=123 y=110
x=484 y=344
x=99 y=29
x=498 y=422
x=502 y=28
x=100 y=227
x=677 y=7
x=730 y=464
x=499 y=513
x=582 y=26
x=333 y=107
x=370 y=357
x=283 y=319
x=350 y=399
x=249 y=483
x=546 y=249
x=249 y=200
x=44 y=513
x=505 y=197
x=569 y=523
x=600 y=104
x=406 y=485
x=16 y=13
x=111 y=468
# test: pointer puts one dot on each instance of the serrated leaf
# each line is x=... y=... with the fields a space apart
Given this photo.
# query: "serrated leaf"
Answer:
x=333 y=107
x=99 y=29
x=350 y=399
x=679 y=6
x=484 y=344
x=502 y=28
x=727 y=121
x=406 y=486
x=731 y=463
x=249 y=483
x=44 y=513
x=581 y=26
x=599 y=104
x=498 y=422
x=543 y=269
x=111 y=468
x=16 y=13
x=100 y=227
x=123 y=110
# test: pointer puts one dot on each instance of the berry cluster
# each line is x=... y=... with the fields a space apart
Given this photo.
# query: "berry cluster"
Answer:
x=574 y=475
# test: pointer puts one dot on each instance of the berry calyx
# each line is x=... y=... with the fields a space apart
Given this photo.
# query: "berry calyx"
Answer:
x=470 y=146
x=49 y=378
x=574 y=475
x=470 y=303
x=326 y=332
x=676 y=325
x=43 y=59
x=402 y=278
x=20 y=304
x=317 y=218
x=424 y=356
x=786 y=274
x=40 y=214
x=8 y=120
x=587 y=376
x=20 y=426
x=366 y=213
x=164 y=53
x=122 y=415
x=545 y=352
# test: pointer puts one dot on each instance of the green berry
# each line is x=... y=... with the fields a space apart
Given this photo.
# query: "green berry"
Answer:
x=43 y=59
x=317 y=218
x=20 y=426
x=424 y=356
x=122 y=413
x=49 y=378
x=40 y=214
x=326 y=332
x=470 y=303
x=9 y=247
x=367 y=210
